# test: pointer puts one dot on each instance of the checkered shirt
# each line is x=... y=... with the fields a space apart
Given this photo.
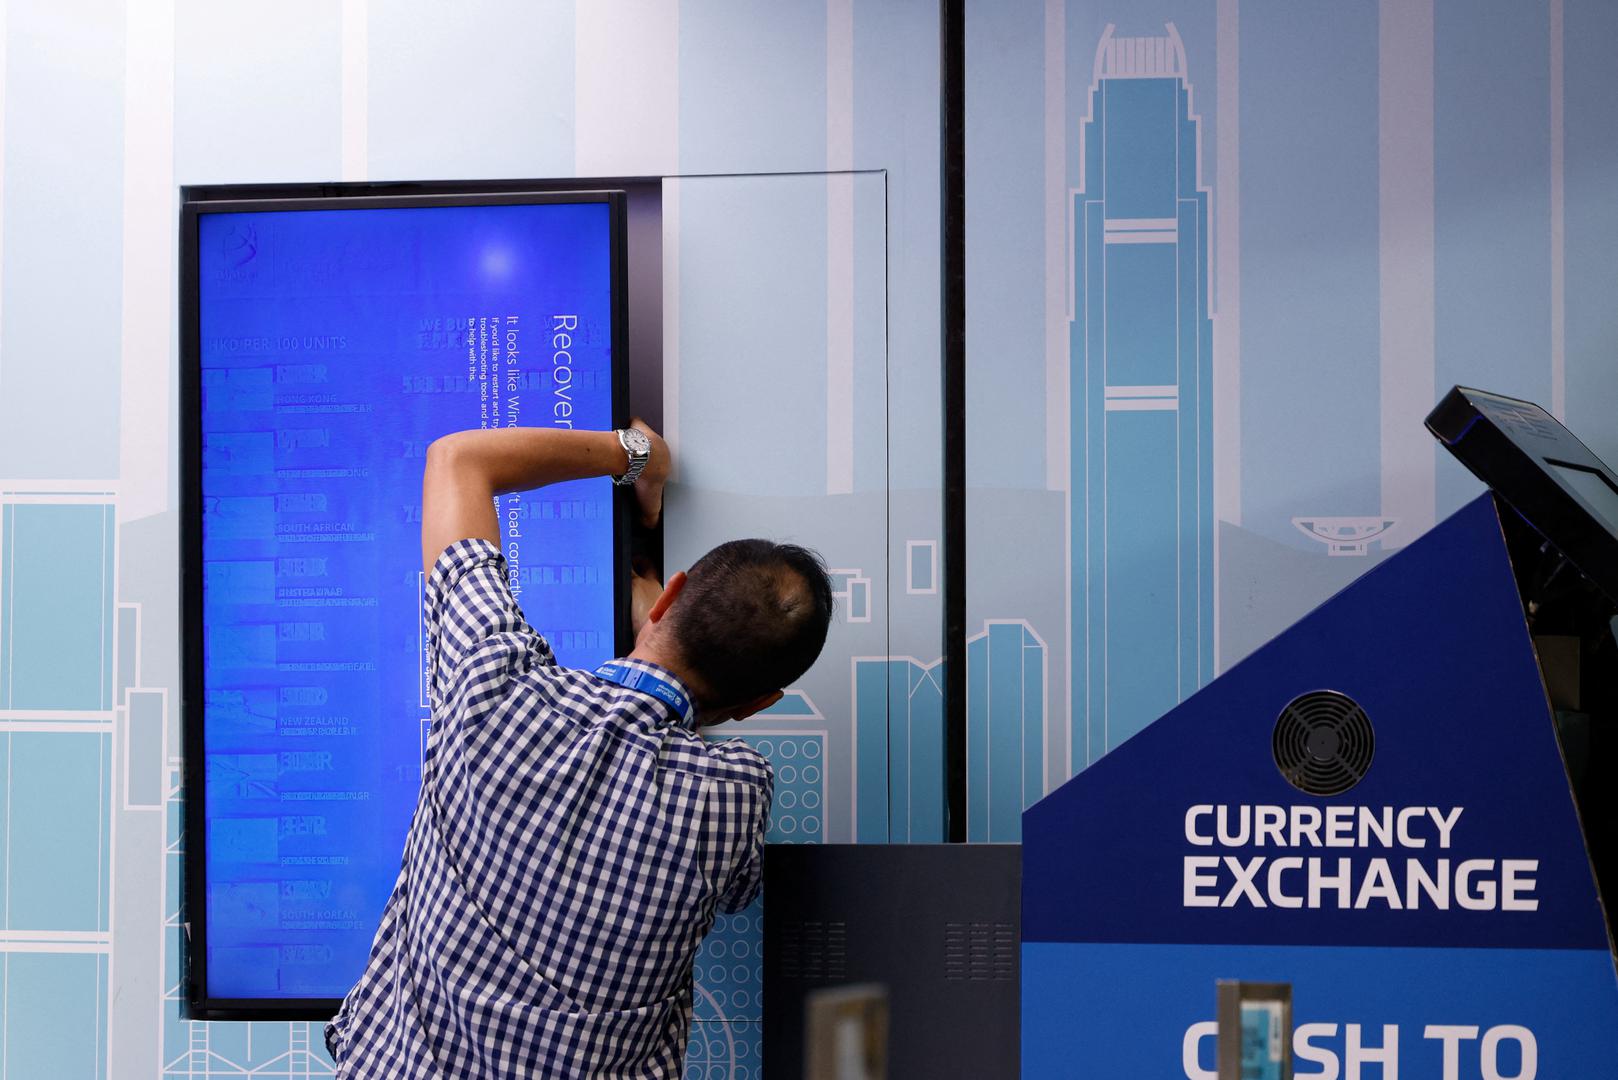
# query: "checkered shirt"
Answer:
x=571 y=844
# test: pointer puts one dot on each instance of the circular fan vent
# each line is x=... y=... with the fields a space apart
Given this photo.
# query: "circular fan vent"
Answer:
x=1323 y=743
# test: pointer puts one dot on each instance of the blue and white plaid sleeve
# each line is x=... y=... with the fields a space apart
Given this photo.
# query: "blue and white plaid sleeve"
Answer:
x=470 y=611
x=745 y=799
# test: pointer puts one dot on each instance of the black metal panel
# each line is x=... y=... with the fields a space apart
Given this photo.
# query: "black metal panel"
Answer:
x=952 y=71
x=1525 y=455
x=937 y=924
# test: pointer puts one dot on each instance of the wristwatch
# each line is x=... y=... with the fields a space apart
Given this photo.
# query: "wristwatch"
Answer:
x=639 y=449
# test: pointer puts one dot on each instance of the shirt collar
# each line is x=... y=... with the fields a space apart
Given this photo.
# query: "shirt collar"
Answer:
x=644 y=676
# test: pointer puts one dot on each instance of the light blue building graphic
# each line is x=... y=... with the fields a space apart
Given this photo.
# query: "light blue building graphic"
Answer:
x=899 y=738
x=898 y=750
x=57 y=717
x=1141 y=345
x=1005 y=728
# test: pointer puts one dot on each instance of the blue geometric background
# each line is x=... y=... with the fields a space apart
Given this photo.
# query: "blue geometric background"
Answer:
x=1388 y=198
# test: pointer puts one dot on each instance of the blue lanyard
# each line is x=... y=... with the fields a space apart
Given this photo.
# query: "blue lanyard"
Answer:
x=647 y=683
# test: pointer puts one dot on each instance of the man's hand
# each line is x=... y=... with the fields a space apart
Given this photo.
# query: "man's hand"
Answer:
x=644 y=589
x=649 y=485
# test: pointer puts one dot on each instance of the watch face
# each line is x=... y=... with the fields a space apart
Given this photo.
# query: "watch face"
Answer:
x=636 y=442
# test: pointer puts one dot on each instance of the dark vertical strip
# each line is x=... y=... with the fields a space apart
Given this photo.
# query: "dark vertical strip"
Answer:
x=887 y=476
x=953 y=205
x=193 y=913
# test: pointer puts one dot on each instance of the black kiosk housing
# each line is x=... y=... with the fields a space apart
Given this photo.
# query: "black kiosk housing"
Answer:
x=1562 y=534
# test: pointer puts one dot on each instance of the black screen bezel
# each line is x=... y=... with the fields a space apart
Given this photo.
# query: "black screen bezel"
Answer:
x=1563 y=467
x=199 y=201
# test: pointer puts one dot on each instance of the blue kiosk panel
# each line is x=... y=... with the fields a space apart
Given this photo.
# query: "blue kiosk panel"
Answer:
x=1437 y=918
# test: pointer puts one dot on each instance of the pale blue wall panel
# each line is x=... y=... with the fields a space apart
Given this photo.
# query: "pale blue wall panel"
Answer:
x=145 y=765
x=5 y=825
x=55 y=1015
x=126 y=631
x=896 y=128
x=921 y=573
x=1309 y=248
x=1005 y=245
x=257 y=91
x=1491 y=174
x=756 y=340
x=58 y=794
x=1591 y=173
x=872 y=334
x=752 y=86
x=56 y=594
x=471 y=90
x=63 y=243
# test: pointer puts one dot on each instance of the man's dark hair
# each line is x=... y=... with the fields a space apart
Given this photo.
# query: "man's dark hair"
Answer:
x=751 y=619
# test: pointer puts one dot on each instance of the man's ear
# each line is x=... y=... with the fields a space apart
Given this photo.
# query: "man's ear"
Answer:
x=671 y=589
x=758 y=704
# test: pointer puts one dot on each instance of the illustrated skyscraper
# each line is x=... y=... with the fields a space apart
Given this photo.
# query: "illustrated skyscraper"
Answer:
x=899 y=724
x=1005 y=726
x=1141 y=432
x=899 y=748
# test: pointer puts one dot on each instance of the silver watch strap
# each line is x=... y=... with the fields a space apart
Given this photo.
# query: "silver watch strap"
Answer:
x=637 y=461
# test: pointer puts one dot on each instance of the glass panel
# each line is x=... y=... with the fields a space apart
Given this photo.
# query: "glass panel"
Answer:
x=775 y=406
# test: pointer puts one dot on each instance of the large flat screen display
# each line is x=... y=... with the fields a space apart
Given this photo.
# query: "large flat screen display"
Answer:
x=328 y=342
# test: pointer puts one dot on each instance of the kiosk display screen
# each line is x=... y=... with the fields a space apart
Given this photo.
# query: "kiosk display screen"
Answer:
x=328 y=342
x=1594 y=488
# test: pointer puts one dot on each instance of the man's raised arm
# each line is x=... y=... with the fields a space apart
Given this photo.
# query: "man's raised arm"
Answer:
x=466 y=470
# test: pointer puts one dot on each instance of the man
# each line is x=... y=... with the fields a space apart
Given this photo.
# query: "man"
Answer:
x=575 y=834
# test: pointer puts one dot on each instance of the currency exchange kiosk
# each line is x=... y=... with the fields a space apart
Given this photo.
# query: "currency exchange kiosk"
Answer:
x=1380 y=842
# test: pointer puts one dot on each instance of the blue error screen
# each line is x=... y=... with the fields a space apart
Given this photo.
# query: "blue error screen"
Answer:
x=335 y=345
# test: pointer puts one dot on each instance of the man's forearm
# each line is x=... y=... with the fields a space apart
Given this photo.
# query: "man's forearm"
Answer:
x=518 y=459
x=466 y=470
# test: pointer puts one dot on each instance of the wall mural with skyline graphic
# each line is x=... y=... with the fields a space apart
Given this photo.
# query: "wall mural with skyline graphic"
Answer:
x=1223 y=255
x=1222 y=259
